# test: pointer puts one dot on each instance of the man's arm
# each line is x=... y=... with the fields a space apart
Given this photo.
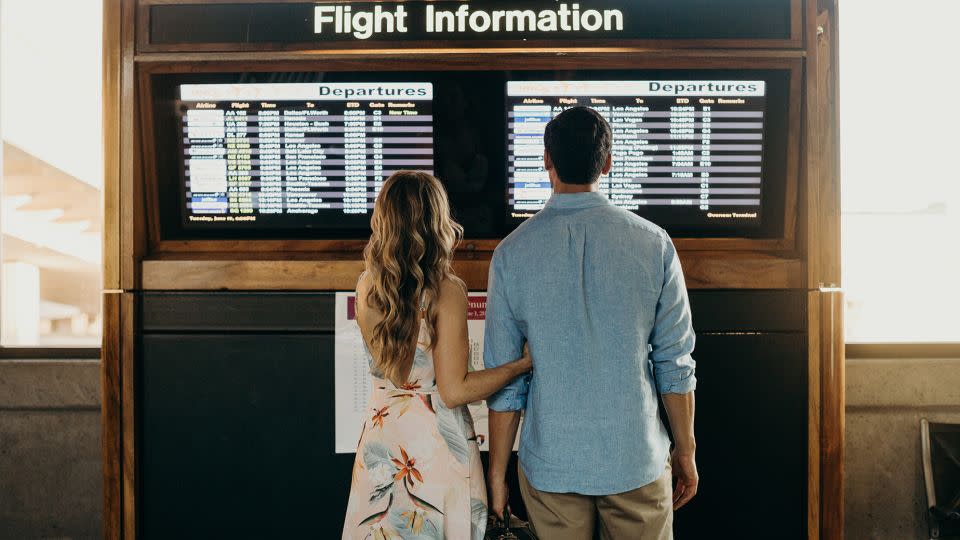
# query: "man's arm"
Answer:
x=503 y=340
x=680 y=411
x=503 y=431
x=672 y=342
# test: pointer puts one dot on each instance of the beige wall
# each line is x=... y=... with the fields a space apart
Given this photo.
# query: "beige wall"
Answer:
x=885 y=401
x=50 y=464
x=50 y=483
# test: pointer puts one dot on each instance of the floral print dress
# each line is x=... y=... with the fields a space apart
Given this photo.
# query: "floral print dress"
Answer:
x=417 y=474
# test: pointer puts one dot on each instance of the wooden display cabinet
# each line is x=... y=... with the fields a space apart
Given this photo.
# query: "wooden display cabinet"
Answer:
x=768 y=306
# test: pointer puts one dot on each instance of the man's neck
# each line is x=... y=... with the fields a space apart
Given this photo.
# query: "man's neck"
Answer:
x=561 y=187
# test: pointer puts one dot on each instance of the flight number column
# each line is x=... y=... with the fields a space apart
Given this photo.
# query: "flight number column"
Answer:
x=239 y=162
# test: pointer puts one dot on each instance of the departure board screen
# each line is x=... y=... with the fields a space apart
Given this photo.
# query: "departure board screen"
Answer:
x=685 y=152
x=297 y=155
x=303 y=155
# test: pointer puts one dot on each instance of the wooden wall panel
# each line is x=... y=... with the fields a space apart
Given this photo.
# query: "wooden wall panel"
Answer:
x=822 y=153
x=131 y=215
x=832 y=400
x=703 y=270
x=111 y=145
x=813 y=415
x=111 y=427
x=828 y=150
x=128 y=367
x=118 y=423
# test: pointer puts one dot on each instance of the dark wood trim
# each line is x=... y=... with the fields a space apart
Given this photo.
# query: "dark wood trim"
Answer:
x=111 y=145
x=826 y=150
x=811 y=165
x=50 y=353
x=128 y=369
x=797 y=20
x=110 y=420
x=833 y=402
x=903 y=350
x=467 y=59
x=159 y=248
x=132 y=242
x=813 y=415
x=148 y=168
x=145 y=49
x=821 y=151
x=795 y=41
x=613 y=59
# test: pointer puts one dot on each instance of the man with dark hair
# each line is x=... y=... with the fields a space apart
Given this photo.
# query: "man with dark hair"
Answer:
x=598 y=294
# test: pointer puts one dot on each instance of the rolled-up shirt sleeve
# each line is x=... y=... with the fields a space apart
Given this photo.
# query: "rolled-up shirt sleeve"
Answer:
x=672 y=339
x=503 y=341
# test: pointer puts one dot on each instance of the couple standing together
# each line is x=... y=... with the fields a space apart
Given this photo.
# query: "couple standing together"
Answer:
x=587 y=323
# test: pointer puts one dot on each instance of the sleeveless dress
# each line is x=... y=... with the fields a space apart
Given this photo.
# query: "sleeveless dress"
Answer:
x=417 y=474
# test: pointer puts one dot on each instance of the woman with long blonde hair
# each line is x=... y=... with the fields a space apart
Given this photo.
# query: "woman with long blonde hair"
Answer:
x=417 y=473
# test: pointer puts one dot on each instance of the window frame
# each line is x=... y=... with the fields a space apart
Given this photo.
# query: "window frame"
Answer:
x=39 y=352
x=50 y=353
x=948 y=348
x=888 y=350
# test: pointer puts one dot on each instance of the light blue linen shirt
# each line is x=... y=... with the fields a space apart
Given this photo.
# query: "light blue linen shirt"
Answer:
x=598 y=293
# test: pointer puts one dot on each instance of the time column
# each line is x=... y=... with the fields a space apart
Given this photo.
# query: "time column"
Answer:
x=355 y=128
x=239 y=162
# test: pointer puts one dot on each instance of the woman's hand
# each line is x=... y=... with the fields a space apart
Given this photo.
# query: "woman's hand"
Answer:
x=525 y=362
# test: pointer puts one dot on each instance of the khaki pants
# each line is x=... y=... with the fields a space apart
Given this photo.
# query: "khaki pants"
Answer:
x=645 y=513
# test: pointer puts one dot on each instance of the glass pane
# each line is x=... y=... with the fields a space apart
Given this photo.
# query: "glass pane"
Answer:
x=900 y=138
x=52 y=172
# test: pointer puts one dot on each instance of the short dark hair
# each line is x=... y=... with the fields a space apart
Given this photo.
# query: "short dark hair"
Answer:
x=578 y=141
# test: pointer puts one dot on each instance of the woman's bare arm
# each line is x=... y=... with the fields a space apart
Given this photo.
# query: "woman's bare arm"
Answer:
x=457 y=385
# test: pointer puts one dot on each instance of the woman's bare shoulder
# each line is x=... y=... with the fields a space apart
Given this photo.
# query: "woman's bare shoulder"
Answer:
x=453 y=292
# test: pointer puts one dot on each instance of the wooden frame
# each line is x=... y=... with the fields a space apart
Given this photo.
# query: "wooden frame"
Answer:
x=903 y=350
x=619 y=58
x=111 y=425
x=814 y=429
x=832 y=403
x=795 y=41
x=118 y=419
x=703 y=270
x=112 y=39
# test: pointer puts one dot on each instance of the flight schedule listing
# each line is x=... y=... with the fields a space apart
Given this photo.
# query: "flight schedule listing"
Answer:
x=683 y=151
x=298 y=154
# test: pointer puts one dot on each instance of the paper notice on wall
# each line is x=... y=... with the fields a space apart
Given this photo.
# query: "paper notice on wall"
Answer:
x=352 y=385
x=352 y=373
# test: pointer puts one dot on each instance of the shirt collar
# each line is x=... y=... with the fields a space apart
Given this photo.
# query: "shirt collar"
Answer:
x=587 y=199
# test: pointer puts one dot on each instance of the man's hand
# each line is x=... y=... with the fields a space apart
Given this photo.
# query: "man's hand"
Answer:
x=499 y=495
x=685 y=476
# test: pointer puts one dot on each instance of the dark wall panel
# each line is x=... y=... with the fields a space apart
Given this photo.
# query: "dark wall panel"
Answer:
x=236 y=417
x=756 y=311
x=235 y=312
x=751 y=438
x=236 y=438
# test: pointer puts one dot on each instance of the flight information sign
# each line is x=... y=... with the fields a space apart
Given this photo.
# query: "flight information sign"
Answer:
x=684 y=152
x=297 y=155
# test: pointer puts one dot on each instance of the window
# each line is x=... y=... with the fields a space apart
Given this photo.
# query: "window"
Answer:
x=900 y=152
x=52 y=173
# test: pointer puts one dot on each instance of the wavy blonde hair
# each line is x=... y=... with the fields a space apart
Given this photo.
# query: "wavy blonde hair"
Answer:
x=407 y=259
